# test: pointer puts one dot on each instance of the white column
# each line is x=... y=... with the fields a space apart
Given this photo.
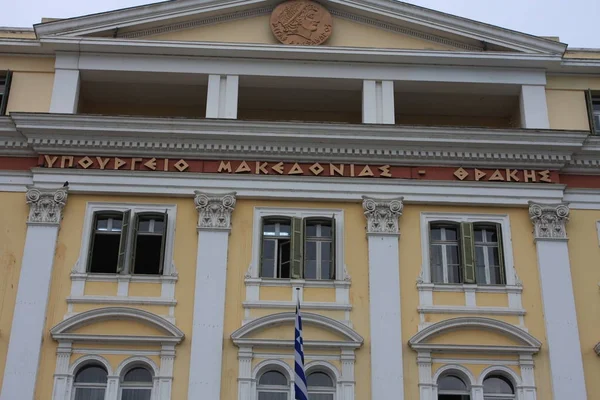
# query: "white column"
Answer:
x=384 y=298
x=222 y=97
x=214 y=224
x=165 y=379
x=378 y=102
x=426 y=386
x=245 y=356
x=527 y=390
x=566 y=363
x=27 y=329
x=347 y=380
x=65 y=92
x=534 y=109
x=62 y=378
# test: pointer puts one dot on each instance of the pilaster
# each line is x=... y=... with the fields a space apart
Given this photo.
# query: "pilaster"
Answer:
x=245 y=390
x=165 y=379
x=214 y=224
x=65 y=92
x=383 y=231
x=534 y=107
x=222 y=96
x=566 y=365
x=378 y=102
x=45 y=214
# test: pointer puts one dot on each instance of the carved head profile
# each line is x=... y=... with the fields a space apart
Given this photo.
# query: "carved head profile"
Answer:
x=299 y=18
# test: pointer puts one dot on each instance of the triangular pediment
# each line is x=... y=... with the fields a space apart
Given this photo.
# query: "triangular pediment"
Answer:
x=359 y=23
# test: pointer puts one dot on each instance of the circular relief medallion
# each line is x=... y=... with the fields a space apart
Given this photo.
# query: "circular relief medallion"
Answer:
x=301 y=22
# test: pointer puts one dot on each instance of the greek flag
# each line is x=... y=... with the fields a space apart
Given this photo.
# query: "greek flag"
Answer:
x=300 y=381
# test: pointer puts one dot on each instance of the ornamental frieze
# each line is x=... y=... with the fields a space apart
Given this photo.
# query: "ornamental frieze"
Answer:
x=286 y=168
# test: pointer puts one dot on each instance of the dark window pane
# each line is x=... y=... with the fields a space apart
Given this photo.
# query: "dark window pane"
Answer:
x=493 y=256
x=454 y=274
x=311 y=230
x=326 y=251
x=454 y=397
x=451 y=382
x=478 y=235
x=102 y=224
x=144 y=226
x=269 y=230
x=311 y=251
x=117 y=224
x=319 y=379
x=268 y=250
x=490 y=235
x=89 y=394
x=451 y=234
x=320 y=396
x=284 y=258
x=136 y=394
x=284 y=229
x=91 y=374
x=452 y=254
x=497 y=385
x=325 y=270
x=159 y=226
x=273 y=378
x=496 y=276
x=325 y=231
x=437 y=273
x=105 y=253
x=138 y=375
x=267 y=268
x=147 y=255
x=436 y=234
x=272 y=396
x=310 y=269
x=479 y=256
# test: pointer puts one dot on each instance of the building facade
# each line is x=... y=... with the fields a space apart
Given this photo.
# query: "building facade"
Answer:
x=175 y=177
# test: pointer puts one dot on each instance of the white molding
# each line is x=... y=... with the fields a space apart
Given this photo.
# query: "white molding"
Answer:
x=582 y=199
x=135 y=360
x=528 y=343
x=222 y=96
x=302 y=188
x=456 y=367
x=266 y=282
x=533 y=107
x=91 y=351
x=65 y=91
x=378 y=102
x=474 y=361
x=129 y=300
x=290 y=305
x=88 y=358
x=307 y=319
x=460 y=288
x=287 y=344
x=65 y=327
x=15 y=181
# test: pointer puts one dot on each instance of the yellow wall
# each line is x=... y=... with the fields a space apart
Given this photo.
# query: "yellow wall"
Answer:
x=67 y=252
x=12 y=242
x=584 y=254
x=572 y=82
x=567 y=109
x=32 y=82
x=526 y=267
x=257 y=30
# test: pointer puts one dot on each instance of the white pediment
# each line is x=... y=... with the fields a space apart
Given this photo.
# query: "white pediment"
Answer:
x=400 y=25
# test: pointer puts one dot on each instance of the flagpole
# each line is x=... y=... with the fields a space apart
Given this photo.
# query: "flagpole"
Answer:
x=300 y=387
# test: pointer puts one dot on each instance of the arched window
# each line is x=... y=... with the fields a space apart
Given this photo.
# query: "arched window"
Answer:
x=497 y=387
x=451 y=387
x=136 y=384
x=90 y=383
x=320 y=386
x=273 y=385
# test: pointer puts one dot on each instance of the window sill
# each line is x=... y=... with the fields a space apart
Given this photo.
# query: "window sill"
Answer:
x=461 y=288
x=77 y=276
x=307 y=283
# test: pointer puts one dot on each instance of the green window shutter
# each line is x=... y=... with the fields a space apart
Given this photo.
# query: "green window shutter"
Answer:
x=333 y=248
x=4 y=103
x=296 y=251
x=467 y=246
x=163 y=244
x=590 y=110
x=124 y=241
x=501 y=253
x=92 y=240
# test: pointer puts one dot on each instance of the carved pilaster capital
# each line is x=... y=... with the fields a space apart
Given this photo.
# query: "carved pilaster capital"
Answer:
x=549 y=220
x=46 y=205
x=382 y=215
x=215 y=210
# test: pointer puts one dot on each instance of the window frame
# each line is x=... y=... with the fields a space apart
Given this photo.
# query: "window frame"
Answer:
x=94 y=208
x=277 y=219
x=85 y=385
x=427 y=218
x=136 y=385
x=322 y=389
x=444 y=242
x=592 y=98
x=6 y=93
x=273 y=388
x=254 y=270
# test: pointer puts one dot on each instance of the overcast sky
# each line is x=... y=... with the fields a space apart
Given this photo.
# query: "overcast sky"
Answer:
x=574 y=21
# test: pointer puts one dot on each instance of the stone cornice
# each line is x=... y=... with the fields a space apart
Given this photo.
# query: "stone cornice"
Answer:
x=412 y=145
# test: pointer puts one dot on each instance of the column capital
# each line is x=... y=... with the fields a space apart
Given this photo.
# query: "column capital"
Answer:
x=549 y=220
x=215 y=210
x=46 y=205
x=382 y=215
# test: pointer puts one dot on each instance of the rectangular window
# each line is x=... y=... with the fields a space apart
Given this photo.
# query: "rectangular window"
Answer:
x=298 y=248
x=593 y=105
x=5 y=80
x=466 y=253
x=119 y=246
